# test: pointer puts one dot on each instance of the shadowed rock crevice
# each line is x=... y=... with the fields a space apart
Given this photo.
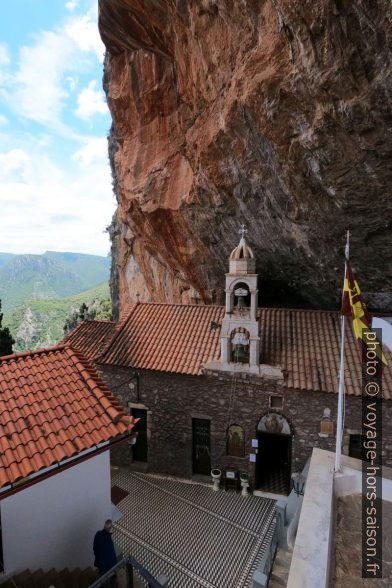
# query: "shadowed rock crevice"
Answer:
x=272 y=113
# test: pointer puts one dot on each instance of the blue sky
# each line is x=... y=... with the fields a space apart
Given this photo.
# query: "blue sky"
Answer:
x=55 y=184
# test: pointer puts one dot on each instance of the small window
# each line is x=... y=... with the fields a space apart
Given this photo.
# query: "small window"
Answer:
x=236 y=441
x=276 y=402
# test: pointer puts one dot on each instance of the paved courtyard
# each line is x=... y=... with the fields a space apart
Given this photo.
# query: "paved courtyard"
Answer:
x=193 y=535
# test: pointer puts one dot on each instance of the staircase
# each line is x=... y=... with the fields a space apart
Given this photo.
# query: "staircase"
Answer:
x=65 y=578
x=280 y=571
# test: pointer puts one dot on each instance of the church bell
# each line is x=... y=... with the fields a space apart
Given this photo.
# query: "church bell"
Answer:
x=241 y=303
x=240 y=354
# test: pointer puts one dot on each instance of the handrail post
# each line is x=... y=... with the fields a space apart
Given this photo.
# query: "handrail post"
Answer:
x=130 y=564
x=129 y=574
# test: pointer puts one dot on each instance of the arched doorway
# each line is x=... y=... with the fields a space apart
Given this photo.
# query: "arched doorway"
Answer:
x=273 y=463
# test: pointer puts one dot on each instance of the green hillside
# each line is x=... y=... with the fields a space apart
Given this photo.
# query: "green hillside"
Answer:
x=52 y=275
x=5 y=257
x=39 y=323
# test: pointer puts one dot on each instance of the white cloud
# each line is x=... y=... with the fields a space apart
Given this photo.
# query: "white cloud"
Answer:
x=50 y=199
x=70 y=6
x=91 y=101
x=95 y=150
x=15 y=160
x=4 y=54
x=72 y=82
x=44 y=206
x=3 y=120
x=47 y=70
x=39 y=91
x=84 y=32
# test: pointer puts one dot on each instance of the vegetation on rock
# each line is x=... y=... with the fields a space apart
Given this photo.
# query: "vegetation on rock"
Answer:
x=6 y=340
x=97 y=310
x=40 y=323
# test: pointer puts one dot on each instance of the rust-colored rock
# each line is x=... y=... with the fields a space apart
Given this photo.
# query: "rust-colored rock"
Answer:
x=274 y=113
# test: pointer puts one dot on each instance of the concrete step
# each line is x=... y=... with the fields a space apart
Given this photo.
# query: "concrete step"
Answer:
x=283 y=559
x=281 y=570
x=87 y=577
x=64 y=578
x=274 y=584
x=36 y=579
x=49 y=578
x=279 y=580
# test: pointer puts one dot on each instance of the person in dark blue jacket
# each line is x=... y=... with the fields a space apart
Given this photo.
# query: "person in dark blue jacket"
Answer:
x=104 y=553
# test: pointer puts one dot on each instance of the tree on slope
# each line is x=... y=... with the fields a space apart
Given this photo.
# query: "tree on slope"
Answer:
x=6 y=340
x=96 y=310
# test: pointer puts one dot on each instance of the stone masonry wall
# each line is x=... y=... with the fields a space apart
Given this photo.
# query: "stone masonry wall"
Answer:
x=173 y=400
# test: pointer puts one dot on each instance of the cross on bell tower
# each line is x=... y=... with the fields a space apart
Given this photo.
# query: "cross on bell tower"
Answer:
x=240 y=334
x=243 y=230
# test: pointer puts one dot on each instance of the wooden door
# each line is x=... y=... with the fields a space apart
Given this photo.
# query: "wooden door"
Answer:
x=201 y=446
x=273 y=463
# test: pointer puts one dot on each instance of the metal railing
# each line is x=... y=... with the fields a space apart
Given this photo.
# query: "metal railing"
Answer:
x=130 y=564
x=264 y=568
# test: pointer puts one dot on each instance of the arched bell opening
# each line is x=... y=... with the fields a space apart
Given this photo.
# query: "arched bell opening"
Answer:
x=240 y=345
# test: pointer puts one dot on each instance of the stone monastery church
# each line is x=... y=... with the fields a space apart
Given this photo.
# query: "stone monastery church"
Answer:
x=239 y=388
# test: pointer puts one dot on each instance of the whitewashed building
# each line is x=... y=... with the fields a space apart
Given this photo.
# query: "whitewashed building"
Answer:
x=58 y=422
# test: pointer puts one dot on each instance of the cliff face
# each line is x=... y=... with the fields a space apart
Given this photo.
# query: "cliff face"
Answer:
x=274 y=113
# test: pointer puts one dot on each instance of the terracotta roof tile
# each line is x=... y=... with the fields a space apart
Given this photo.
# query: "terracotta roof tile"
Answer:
x=90 y=337
x=165 y=337
x=306 y=344
x=179 y=339
x=40 y=425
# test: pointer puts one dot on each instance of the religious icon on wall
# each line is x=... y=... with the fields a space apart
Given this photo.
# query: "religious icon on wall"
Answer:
x=326 y=425
x=274 y=423
x=235 y=441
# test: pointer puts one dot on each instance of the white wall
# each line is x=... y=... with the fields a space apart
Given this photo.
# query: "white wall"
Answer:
x=386 y=325
x=52 y=523
x=311 y=556
x=349 y=481
x=310 y=564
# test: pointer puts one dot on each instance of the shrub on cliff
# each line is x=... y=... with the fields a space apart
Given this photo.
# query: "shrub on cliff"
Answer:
x=97 y=310
x=6 y=339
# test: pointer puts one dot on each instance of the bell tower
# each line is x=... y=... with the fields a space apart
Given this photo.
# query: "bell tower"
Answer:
x=240 y=333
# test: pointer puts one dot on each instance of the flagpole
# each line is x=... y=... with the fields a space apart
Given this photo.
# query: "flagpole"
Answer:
x=339 y=425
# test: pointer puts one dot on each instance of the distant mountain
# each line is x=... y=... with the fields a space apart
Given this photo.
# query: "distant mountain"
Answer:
x=5 y=257
x=52 y=275
x=39 y=323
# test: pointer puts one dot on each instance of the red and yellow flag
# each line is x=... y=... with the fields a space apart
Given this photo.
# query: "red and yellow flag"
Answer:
x=354 y=306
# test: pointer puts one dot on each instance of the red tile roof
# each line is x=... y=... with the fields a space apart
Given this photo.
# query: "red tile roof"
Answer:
x=306 y=344
x=52 y=407
x=90 y=337
x=179 y=338
x=166 y=337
